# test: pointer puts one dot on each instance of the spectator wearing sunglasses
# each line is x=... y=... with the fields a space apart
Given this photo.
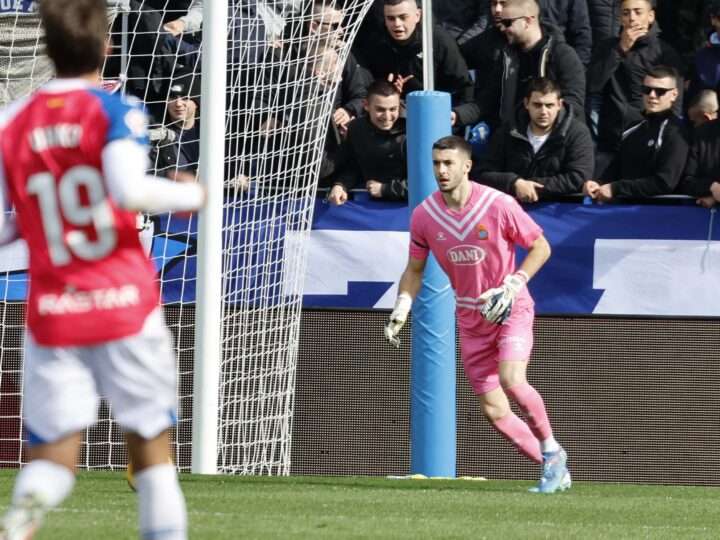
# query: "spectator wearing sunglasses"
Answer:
x=616 y=74
x=653 y=151
x=531 y=50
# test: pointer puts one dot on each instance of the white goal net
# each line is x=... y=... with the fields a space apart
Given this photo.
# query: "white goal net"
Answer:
x=285 y=61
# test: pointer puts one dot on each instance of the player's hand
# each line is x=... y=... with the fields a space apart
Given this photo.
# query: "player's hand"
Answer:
x=527 y=190
x=337 y=195
x=497 y=303
x=175 y=27
x=374 y=188
x=398 y=318
x=398 y=81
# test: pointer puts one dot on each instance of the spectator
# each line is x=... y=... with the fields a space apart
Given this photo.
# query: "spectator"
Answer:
x=703 y=108
x=483 y=52
x=462 y=19
x=604 y=20
x=615 y=76
x=374 y=153
x=176 y=143
x=546 y=152
x=531 y=50
x=684 y=24
x=189 y=23
x=707 y=59
x=573 y=19
x=653 y=151
x=702 y=174
x=397 y=56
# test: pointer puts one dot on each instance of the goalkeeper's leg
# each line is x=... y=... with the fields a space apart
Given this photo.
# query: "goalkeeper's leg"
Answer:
x=479 y=354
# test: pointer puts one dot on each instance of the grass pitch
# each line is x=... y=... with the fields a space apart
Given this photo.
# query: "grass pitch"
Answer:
x=102 y=506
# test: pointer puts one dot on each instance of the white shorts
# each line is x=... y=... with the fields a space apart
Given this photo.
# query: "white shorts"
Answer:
x=62 y=386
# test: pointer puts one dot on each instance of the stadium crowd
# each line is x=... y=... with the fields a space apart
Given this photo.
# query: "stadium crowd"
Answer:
x=566 y=94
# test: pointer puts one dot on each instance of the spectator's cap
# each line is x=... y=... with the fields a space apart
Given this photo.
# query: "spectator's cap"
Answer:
x=185 y=86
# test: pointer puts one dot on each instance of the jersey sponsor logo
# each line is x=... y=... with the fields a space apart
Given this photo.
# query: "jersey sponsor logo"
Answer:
x=466 y=255
x=86 y=301
x=55 y=136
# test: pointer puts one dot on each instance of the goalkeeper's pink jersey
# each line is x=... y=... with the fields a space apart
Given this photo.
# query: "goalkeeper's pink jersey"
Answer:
x=475 y=246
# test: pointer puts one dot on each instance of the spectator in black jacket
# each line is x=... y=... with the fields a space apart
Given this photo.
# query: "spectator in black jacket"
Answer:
x=604 y=20
x=463 y=19
x=702 y=173
x=546 y=152
x=616 y=73
x=703 y=108
x=373 y=155
x=484 y=51
x=397 y=56
x=572 y=17
x=653 y=152
x=531 y=50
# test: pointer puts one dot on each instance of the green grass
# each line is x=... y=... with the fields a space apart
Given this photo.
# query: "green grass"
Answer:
x=317 y=507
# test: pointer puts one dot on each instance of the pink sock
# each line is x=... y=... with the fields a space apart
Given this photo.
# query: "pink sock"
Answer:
x=533 y=407
x=518 y=433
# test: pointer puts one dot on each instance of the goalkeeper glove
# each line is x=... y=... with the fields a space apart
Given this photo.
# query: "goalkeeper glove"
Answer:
x=398 y=318
x=498 y=302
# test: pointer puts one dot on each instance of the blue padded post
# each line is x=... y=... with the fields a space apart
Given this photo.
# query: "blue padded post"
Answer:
x=432 y=390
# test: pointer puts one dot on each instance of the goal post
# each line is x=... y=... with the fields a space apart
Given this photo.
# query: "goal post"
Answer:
x=208 y=352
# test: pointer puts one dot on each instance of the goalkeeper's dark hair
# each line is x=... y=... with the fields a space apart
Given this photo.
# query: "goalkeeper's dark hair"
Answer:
x=543 y=86
x=453 y=142
x=381 y=88
x=75 y=34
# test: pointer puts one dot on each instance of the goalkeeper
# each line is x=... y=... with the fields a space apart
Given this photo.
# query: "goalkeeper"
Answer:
x=473 y=230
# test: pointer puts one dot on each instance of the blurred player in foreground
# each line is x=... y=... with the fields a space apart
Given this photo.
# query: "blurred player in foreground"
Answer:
x=472 y=230
x=72 y=164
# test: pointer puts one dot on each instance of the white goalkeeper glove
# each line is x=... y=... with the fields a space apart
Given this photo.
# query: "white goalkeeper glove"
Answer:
x=498 y=302
x=397 y=319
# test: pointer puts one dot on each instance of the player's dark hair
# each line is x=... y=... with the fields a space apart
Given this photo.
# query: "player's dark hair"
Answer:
x=660 y=72
x=381 y=88
x=453 y=142
x=75 y=33
x=543 y=86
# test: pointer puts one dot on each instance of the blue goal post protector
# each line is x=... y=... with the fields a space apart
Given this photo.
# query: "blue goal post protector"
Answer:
x=432 y=386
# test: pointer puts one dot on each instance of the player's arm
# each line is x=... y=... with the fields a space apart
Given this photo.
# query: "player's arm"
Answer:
x=498 y=302
x=410 y=283
x=537 y=256
x=8 y=226
x=124 y=162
